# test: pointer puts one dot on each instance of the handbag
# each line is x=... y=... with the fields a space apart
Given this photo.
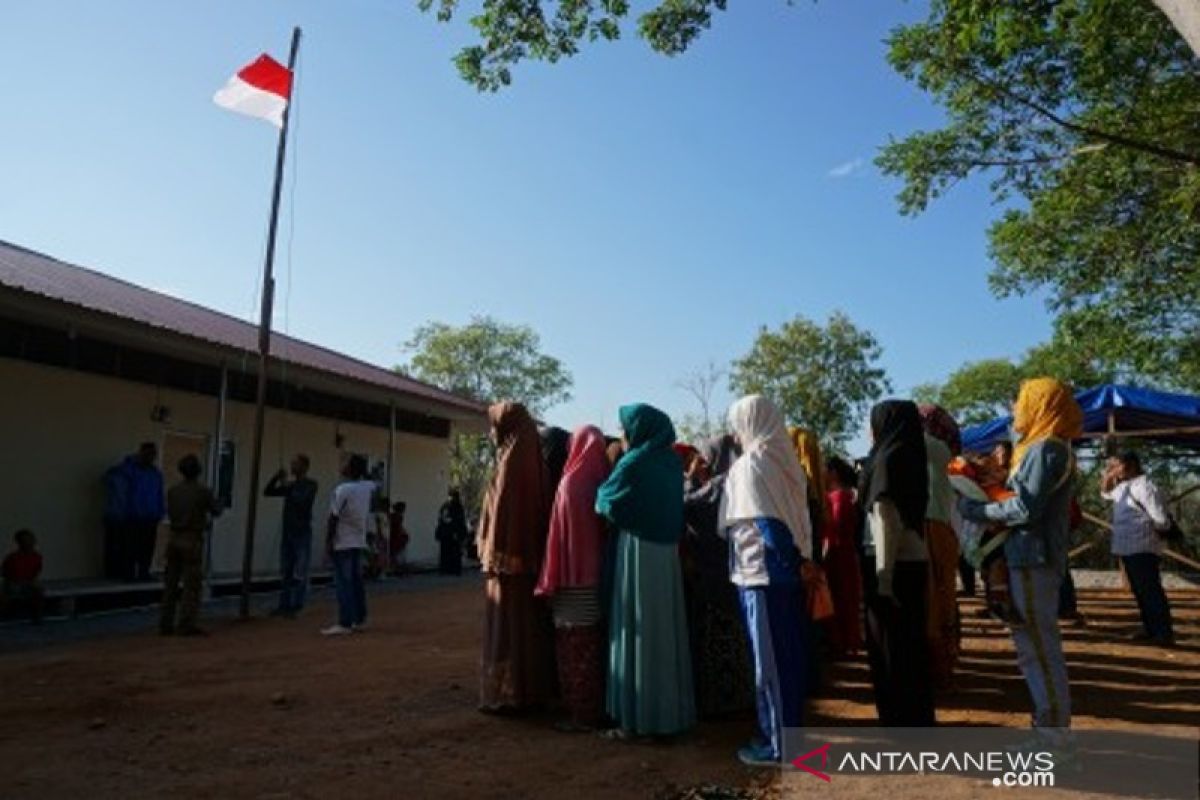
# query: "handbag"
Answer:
x=1171 y=533
x=818 y=598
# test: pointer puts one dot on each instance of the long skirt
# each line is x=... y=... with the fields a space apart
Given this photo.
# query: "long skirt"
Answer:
x=650 y=670
x=579 y=649
x=776 y=626
x=898 y=650
x=721 y=661
x=517 y=668
x=943 y=627
x=844 y=574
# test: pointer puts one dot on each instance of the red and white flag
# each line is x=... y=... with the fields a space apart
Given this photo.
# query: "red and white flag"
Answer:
x=261 y=89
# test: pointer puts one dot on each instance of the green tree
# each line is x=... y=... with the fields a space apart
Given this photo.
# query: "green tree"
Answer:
x=1079 y=112
x=1082 y=114
x=822 y=377
x=980 y=391
x=486 y=360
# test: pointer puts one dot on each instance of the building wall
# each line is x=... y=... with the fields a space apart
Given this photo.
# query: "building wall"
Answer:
x=60 y=430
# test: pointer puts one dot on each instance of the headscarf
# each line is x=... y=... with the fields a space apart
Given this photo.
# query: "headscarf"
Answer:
x=808 y=449
x=897 y=465
x=512 y=527
x=685 y=452
x=767 y=481
x=575 y=546
x=644 y=494
x=1045 y=409
x=720 y=452
x=939 y=424
x=555 y=443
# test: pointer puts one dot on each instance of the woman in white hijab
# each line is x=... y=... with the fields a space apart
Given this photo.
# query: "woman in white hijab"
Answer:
x=764 y=513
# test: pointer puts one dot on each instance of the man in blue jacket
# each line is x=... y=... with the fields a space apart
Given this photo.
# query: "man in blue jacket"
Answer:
x=136 y=506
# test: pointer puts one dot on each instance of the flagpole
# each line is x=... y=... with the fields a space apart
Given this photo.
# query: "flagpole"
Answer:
x=264 y=343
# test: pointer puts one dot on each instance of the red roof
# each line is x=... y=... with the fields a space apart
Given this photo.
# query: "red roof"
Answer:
x=35 y=273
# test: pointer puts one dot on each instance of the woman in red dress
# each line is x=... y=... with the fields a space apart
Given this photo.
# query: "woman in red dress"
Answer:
x=839 y=542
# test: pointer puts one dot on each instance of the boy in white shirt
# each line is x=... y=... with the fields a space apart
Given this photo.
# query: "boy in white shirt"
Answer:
x=349 y=521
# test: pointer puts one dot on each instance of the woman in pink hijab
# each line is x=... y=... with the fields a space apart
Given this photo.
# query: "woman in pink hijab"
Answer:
x=571 y=577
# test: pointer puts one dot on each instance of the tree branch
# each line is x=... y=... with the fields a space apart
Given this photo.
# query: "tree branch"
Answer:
x=1086 y=130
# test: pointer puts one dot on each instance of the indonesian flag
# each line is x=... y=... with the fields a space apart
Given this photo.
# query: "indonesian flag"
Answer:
x=261 y=89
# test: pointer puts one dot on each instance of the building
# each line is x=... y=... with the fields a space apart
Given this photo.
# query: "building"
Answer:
x=92 y=366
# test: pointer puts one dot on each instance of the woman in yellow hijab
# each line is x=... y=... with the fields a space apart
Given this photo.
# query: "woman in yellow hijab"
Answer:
x=808 y=450
x=1046 y=419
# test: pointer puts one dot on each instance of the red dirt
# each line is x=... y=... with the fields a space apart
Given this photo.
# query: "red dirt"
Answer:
x=268 y=709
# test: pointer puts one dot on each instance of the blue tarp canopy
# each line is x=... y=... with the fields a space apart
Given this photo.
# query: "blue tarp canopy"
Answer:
x=1162 y=417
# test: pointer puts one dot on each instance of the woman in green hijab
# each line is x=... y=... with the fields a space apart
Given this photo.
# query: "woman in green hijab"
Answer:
x=650 y=671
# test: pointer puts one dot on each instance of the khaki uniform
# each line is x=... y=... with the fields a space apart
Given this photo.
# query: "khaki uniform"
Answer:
x=189 y=506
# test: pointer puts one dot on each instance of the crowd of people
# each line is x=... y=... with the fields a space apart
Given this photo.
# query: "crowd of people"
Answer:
x=646 y=583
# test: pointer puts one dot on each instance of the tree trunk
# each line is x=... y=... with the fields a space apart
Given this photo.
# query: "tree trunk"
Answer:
x=1185 y=16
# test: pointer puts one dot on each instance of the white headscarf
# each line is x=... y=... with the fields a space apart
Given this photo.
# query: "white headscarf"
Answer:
x=767 y=480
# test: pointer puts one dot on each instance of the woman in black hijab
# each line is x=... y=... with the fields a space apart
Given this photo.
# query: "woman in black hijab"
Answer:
x=893 y=495
x=724 y=674
x=556 y=446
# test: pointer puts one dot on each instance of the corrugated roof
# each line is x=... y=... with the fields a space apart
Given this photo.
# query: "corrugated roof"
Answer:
x=28 y=271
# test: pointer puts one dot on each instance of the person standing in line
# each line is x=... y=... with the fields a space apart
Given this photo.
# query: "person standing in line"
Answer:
x=138 y=483
x=571 y=576
x=517 y=661
x=556 y=445
x=842 y=568
x=191 y=507
x=721 y=664
x=650 y=690
x=1139 y=513
x=451 y=534
x=1047 y=419
x=765 y=515
x=346 y=541
x=295 y=544
x=895 y=495
x=943 y=441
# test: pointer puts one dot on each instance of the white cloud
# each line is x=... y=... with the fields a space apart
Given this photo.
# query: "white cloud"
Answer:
x=847 y=169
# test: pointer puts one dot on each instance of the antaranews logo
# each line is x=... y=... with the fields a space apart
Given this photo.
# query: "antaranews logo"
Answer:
x=1009 y=769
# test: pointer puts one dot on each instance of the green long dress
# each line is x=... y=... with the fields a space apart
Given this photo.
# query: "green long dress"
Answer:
x=650 y=688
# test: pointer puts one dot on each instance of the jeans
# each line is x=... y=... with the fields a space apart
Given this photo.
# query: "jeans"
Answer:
x=1146 y=582
x=1039 y=648
x=348 y=583
x=295 y=553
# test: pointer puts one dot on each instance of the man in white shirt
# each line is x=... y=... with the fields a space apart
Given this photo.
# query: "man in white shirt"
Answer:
x=1139 y=513
x=349 y=520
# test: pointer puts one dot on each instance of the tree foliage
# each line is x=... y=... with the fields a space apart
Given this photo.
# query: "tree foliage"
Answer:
x=511 y=31
x=488 y=361
x=824 y=378
x=1082 y=114
x=980 y=391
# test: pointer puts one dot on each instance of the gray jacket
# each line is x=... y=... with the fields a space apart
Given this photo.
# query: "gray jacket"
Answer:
x=1038 y=517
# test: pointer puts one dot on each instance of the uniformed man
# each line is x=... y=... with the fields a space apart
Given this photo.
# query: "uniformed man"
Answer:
x=190 y=508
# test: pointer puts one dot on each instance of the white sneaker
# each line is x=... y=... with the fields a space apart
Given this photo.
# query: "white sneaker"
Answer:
x=335 y=630
x=360 y=628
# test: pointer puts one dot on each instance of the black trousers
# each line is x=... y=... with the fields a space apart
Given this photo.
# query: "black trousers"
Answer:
x=898 y=647
x=1145 y=579
x=140 y=538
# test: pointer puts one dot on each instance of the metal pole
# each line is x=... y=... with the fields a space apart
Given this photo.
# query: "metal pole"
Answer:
x=264 y=345
x=214 y=465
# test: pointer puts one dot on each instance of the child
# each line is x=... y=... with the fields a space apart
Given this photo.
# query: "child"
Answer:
x=397 y=537
x=190 y=507
x=990 y=473
x=22 y=568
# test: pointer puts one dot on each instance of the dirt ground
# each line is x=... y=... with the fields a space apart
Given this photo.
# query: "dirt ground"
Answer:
x=268 y=709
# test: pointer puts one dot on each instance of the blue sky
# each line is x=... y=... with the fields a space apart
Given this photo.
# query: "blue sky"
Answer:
x=643 y=214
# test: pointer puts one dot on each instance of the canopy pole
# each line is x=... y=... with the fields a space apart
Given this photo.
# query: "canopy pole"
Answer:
x=264 y=345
